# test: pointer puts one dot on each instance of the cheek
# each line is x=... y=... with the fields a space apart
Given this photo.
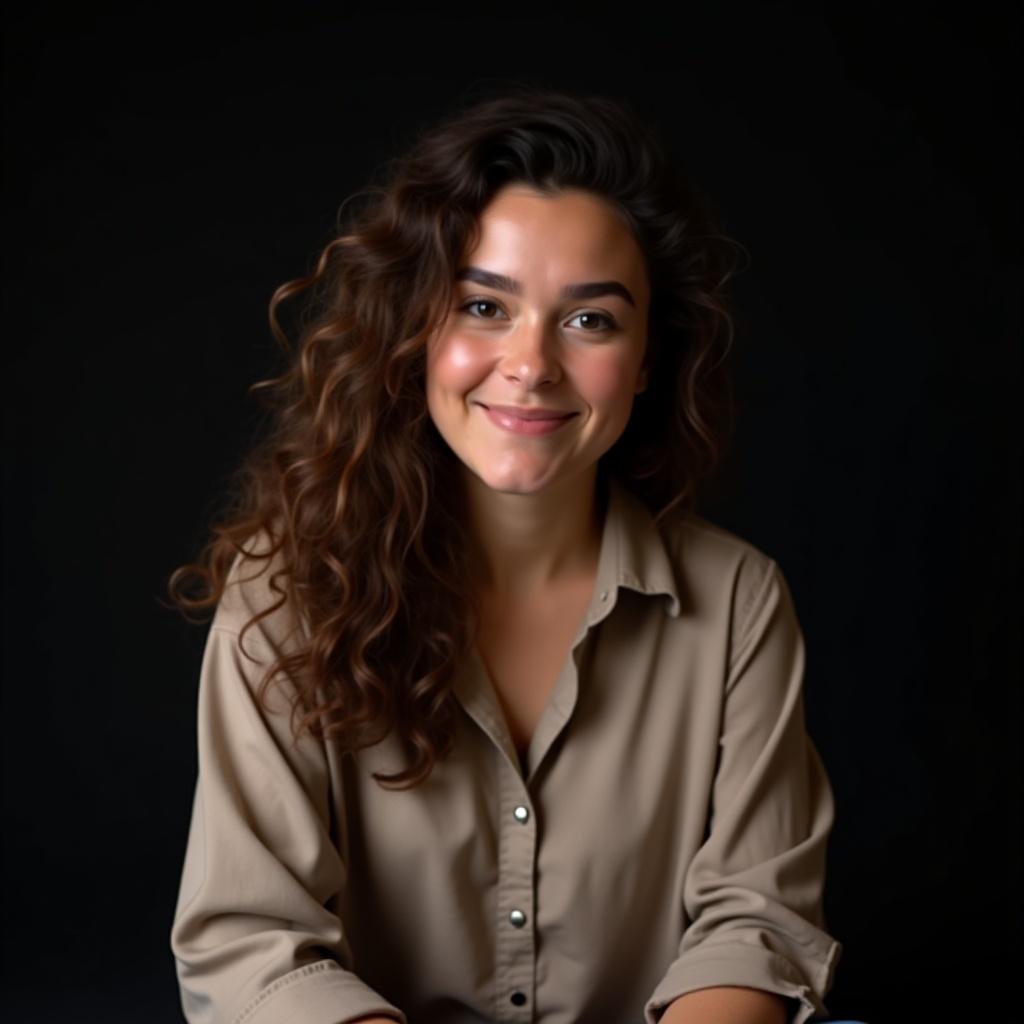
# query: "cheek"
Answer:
x=607 y=383
x=456 y=364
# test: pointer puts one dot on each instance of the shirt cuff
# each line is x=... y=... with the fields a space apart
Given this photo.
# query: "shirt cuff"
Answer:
x=318 y=993
x=749 y=966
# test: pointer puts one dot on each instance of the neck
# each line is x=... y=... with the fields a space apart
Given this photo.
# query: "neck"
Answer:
x=525 y=544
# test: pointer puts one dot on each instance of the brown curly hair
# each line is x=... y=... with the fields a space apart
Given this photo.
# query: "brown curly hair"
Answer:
x=353 y=485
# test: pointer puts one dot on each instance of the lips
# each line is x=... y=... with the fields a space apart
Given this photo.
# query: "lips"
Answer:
x=519 y=423
x=528 y=414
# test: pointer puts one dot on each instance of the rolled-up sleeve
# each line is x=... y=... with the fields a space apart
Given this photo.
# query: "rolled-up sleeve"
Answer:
x=253 y=938
x=753 y=891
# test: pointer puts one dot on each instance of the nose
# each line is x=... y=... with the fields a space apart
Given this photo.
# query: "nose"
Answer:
x=531 y=356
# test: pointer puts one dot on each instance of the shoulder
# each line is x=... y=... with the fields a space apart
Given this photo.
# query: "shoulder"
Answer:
x=258 y=587
x=719 y=573
x=711 y=554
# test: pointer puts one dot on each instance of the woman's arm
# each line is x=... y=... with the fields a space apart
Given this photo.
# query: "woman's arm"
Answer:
x=256 y=932
x=752 y=894
x=727 y=1005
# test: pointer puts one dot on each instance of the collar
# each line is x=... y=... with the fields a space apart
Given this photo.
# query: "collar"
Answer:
x=633 y=555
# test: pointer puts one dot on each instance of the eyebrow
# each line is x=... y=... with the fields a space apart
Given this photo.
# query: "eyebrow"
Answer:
x=586 y=290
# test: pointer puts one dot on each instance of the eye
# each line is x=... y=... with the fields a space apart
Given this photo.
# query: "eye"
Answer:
x=610 y=324
x=479 y=302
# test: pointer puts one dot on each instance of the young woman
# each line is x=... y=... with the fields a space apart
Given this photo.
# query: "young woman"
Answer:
x=492 y=725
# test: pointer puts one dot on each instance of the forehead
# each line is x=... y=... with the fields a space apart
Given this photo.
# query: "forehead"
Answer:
x=572 y=233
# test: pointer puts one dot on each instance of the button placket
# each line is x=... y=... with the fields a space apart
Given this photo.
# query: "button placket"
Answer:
x=516 y=940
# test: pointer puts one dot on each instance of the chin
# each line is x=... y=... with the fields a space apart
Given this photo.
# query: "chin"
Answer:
x=504 y=485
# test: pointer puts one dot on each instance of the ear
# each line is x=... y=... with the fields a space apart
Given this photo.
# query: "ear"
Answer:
x=642 y=384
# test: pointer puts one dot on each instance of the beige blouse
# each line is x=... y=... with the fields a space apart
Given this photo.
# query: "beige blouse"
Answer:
x=668 y=832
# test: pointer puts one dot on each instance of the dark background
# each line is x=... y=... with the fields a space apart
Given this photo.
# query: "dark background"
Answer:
x=167 y=167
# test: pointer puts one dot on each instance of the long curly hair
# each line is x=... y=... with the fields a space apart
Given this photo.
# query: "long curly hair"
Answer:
x=356 y=491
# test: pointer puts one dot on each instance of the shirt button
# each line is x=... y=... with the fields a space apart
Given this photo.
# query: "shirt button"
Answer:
x=522 y=814
x=604 y=595
x=518 y=918
x=517 y=998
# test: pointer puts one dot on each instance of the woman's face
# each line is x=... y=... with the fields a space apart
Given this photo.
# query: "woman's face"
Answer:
x=517 y=335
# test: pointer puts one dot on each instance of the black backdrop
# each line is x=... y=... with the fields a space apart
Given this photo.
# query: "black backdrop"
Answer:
x=167 y=167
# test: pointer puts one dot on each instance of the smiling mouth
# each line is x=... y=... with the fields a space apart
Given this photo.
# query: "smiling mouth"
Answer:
x=527 y=414
x=526 y=427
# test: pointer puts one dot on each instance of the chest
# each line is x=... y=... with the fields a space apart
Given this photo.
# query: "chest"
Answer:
x=524 y=647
